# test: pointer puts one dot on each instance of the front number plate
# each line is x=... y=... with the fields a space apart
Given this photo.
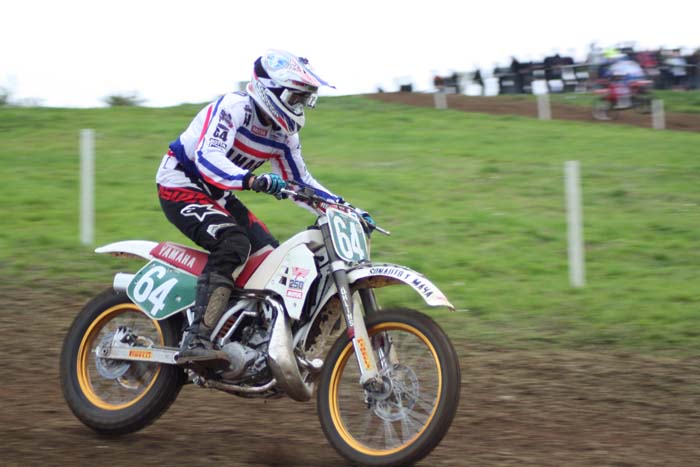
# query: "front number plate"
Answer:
x=348 y=236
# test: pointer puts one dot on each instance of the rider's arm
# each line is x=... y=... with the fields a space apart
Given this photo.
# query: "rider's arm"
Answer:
x=292 y=168
x=215 y=141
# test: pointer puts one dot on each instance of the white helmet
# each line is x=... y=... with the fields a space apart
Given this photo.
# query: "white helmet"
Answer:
x=282 y=85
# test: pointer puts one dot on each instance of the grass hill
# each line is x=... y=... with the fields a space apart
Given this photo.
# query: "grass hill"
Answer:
x=475 y=202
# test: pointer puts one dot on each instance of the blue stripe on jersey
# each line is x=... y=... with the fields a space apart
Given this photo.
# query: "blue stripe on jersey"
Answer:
x=288 y=156
x=217 y=171
x=179 y=150
x=200 y=157
x=206 y=129
x=277 y=145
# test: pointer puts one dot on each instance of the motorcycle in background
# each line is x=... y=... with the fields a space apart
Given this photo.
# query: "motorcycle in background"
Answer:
x=616 y=94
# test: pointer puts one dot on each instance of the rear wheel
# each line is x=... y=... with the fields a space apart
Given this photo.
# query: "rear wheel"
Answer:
x=403 y=421
x=117 y=396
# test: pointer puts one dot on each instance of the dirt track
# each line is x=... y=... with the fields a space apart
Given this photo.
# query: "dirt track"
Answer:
x=546 y=408
x=528 y=108
x=541 y=409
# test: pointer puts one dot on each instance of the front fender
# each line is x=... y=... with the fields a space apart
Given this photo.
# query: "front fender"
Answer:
x=381 y=275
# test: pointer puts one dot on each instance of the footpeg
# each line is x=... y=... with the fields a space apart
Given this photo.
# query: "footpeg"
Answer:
x=313 y=366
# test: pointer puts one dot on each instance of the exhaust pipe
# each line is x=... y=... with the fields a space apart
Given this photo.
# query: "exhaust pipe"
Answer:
x=282 y=360
x=238 y=390
x=122 y=281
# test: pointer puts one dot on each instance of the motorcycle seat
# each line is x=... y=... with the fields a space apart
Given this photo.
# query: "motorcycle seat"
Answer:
x=192 y=260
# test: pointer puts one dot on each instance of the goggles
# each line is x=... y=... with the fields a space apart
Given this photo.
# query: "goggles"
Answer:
x=293 y=98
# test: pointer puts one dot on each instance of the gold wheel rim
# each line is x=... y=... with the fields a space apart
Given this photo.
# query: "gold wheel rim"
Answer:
x=335 y=385
x=84 y=353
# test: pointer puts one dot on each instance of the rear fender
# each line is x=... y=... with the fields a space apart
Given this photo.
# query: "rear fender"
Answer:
x=130 y=248
x=158 y=289
x=127 y=249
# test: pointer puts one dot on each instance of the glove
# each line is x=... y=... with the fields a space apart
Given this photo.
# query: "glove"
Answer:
x=365 y=215
x=269 y=183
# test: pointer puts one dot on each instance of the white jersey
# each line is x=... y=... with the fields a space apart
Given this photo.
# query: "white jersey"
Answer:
x=627 y=68
x=225 y=143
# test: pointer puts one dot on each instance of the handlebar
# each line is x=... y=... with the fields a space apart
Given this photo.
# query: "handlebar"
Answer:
x=308 y=195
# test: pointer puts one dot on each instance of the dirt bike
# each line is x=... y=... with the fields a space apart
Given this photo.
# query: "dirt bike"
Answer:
x=386 y=391
x=616 y=94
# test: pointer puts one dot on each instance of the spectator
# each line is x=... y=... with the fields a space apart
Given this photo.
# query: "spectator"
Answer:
x=455 y=82
x=693 y=62
x=479 y=80
x=594 y=60
x=518 y=79
x=676 y=64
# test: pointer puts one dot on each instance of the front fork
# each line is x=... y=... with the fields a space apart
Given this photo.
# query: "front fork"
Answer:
x=354 y=320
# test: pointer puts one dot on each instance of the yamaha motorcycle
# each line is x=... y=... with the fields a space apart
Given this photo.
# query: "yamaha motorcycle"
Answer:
x=303 y=319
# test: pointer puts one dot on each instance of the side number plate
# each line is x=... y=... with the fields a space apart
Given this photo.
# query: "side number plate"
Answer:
x=161 y=290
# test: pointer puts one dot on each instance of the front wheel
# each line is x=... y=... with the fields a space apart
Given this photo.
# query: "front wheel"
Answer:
x=117 y=396
x=403 y=421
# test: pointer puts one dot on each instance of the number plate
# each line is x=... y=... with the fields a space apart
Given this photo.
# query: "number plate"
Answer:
x=161 y=290
x=348 y=237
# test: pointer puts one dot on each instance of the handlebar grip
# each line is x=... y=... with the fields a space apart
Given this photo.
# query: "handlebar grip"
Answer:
x=382 y=231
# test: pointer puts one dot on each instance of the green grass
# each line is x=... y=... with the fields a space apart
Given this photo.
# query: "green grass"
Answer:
x=475 y=202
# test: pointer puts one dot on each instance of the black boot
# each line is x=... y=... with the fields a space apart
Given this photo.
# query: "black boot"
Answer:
x=212 y=297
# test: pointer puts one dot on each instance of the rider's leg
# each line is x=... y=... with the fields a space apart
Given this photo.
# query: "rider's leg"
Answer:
x=213 y=292
x=258 y=233
x=236 y=238
x=211 y=226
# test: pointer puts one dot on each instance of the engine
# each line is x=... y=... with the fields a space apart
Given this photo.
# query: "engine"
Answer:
x=247 y=351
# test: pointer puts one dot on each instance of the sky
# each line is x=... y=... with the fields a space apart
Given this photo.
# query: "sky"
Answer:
x=75 y=53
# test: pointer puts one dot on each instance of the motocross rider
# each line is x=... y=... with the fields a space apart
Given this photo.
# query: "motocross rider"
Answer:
x=623 y=72
x=217 y=154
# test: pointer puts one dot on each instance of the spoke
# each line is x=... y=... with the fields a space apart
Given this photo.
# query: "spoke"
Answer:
x=369 y=416
x=405 y=359
x=426 y=405
x=132 y=383
x=407 y=356
x=409 y=427
x=390 y=436
x=420 y=419
x=416 y=357
x=141 y=380
x=375 y=438
x=393 y=354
